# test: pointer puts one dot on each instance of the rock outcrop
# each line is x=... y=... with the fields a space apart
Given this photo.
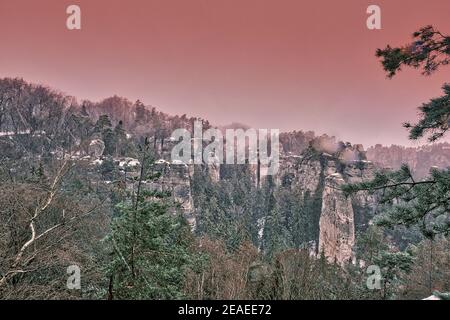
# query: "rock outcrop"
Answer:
x=316 y=176
x=337 y=224
x=419 y=159
x=319 y=174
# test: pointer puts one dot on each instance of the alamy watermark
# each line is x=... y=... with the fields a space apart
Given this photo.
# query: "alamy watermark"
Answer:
x=74 y=279
x=73 y=21
x=236 y=146
x=374 y=279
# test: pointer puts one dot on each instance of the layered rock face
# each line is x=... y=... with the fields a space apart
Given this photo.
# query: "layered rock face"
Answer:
x=319 y=175
x=419 y=159
x=341 y=215
x=176 y=178
x=322 y=176
x=337 y=223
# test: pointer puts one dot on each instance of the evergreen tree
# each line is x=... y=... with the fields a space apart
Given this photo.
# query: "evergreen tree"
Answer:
x=151 y=252
x=422 y=203
x=393 y=266
x=408 y=202
x=151 y=245
x=275 y=234
x=110 y=141
x=370 y=244
x=429 y=50
x=120 y=137
x=102 y=123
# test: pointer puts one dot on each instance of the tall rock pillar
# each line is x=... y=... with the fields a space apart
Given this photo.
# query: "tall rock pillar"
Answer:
x=337 y=226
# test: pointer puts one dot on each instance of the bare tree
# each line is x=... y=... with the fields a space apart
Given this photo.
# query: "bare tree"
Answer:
x=37 y=221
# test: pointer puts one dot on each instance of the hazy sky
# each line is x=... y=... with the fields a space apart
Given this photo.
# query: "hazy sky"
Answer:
x=286 y=64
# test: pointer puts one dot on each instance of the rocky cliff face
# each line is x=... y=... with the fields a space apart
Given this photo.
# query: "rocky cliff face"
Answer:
x=337 y=223
x=419 y=159
x=341 y=216
x=314 y=173
x=321 y=175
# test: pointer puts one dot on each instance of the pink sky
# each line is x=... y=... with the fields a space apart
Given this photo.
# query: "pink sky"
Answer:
x=286 y=64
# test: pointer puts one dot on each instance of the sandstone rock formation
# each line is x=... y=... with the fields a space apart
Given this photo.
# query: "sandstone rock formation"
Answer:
x=419 y=159
x=320 y=174
x=314 y=174
x=337 y=225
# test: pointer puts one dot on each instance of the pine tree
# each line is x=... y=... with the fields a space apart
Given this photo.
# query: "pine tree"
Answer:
x=120 y=137
x=409 y=202
x=151 y=245
x=429 y=50
x=406 y=201
x=102 y=123
x=110 y=141
x=151 y=253
x=393 y=266
x=275 y=234
x=370 y=244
